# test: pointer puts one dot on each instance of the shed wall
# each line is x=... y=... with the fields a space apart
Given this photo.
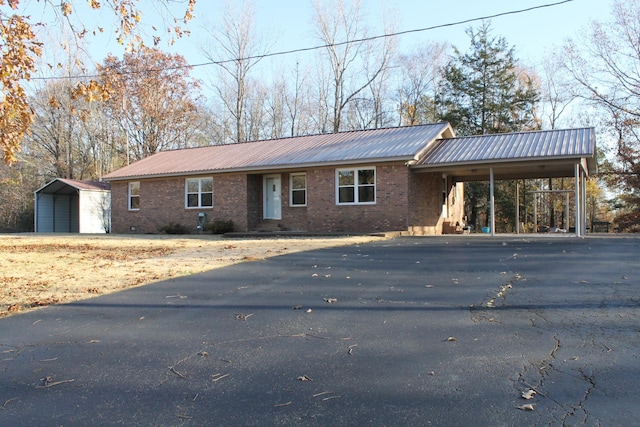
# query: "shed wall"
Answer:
x=95 y=212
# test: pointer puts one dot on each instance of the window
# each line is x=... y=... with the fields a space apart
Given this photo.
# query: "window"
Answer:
x=199 y=193
x=298 y=189
x=134 y=196
x=356 y=186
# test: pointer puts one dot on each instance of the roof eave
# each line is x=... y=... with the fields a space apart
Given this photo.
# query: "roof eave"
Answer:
x=488 y=162
x=260 y=169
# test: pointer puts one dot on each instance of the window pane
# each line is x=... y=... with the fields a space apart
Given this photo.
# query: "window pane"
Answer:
x=135 y=202
x=298 y=197
x=207 y=199
x=366 y=176
x=192 y=200
x=192 y=186
x=345 y=195
x=134 y=188
x=366 y=194
x=206 y=185
x=345 y=178
x=299 y=182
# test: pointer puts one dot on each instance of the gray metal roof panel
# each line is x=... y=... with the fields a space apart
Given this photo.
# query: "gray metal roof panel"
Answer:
x=70 y=185
x=574 y=143
x=356 y=146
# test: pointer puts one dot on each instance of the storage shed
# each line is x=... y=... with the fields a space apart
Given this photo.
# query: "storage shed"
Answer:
x=73 y=206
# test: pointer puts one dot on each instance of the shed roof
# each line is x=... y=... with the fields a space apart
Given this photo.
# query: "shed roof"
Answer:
x=401 y=143
x=67 y=186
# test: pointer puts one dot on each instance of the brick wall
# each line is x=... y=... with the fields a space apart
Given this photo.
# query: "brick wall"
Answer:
x=162 y=201
x=425 y=199
x=405 y=200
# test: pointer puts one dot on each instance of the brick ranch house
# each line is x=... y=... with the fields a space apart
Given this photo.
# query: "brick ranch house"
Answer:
x=407 y=179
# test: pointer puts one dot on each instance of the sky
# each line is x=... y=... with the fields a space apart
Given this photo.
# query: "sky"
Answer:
x=288 y=25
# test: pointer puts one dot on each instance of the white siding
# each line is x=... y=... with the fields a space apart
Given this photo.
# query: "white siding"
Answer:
x=95 y=212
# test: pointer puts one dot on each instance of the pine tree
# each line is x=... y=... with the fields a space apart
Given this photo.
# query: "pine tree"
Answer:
x=483 y=92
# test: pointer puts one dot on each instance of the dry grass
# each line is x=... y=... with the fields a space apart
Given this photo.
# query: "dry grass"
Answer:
x=40 y=270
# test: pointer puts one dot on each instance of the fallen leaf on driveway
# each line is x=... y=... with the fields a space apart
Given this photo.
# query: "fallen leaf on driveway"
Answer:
x=528 y=394
x=527 y=407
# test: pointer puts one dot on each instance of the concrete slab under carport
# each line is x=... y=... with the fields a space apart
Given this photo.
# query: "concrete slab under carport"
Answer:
x=425 y=331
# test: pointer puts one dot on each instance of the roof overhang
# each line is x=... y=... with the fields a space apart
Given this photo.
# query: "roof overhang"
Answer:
x=511 y=169
x=70 y=186
x=253 y=170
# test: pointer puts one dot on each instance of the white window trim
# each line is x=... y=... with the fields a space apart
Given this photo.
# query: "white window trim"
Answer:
x=129 y=196
x=355 y=178
x=186 y=192
x=291 y=189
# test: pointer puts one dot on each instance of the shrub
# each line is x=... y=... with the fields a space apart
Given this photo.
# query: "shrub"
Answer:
x=219 y=226
x=173 y=228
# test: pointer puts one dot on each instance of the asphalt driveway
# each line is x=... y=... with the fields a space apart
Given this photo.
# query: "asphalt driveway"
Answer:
x=443 y=331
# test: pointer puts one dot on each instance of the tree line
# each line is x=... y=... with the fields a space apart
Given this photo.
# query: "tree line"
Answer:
x=148 y=101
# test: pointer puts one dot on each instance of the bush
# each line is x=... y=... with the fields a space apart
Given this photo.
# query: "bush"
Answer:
x=219 y=226
x=173 y=228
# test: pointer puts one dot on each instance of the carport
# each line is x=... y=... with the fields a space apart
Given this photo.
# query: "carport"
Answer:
x=521 y=155
x=73 y=206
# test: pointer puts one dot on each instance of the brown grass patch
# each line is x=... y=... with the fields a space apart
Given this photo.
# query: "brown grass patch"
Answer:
x=40 y=270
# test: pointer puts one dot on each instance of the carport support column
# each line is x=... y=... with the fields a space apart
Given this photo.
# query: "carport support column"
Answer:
x=492 y=203
x=578 y=197
x=583 y=204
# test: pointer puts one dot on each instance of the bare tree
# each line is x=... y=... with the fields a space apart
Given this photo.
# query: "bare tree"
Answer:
x=606 y=67
x=342 y=30
x=556 y=90
x=236 y=49
x=420 y=71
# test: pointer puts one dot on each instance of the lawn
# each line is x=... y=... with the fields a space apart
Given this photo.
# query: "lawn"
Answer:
x=40 y=270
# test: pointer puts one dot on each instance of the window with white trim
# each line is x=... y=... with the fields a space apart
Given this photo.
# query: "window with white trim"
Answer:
x=356 y=186
x=298 y=189
x=134 y=196
x=199 y=193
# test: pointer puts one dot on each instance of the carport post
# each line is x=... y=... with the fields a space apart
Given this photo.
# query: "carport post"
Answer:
x=578 y=207
x=517 y=208
x=492 y=203
x=583 y=201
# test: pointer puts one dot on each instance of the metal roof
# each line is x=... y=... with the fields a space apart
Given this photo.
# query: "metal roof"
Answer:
x=509 y=147
x=401 y=143
x=68 y=186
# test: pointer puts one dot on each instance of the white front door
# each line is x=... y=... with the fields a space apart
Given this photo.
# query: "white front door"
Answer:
x=272 y=198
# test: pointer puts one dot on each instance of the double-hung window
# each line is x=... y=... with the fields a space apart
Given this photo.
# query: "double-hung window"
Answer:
x=199 y=193
x=134 y=196
x=298 y=189
x=356 y=186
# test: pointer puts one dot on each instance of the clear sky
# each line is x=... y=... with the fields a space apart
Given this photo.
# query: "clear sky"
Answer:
x=288 y=24
x=290 y=21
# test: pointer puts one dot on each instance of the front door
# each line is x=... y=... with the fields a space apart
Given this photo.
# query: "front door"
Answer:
x=272 y=198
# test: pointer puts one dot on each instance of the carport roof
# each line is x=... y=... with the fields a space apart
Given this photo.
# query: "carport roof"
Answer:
x=428 y=148
x=534 y=154
x=68 y=186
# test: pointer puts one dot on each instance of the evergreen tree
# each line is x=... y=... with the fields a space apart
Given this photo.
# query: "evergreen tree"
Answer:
x=483 y=92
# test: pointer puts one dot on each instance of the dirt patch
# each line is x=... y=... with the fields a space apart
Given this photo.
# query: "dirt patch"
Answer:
x=36 y=271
